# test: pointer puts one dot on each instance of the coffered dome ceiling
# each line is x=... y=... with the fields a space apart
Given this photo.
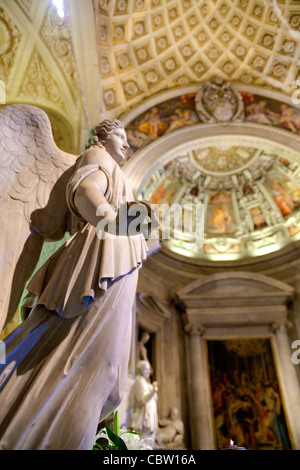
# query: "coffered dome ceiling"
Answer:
x=148 y=46
x=105 y=57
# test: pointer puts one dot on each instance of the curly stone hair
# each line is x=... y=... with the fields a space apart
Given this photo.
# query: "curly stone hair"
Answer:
x=98 y=134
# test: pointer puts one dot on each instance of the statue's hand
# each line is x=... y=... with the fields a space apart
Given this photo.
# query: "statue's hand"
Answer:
x=155 y=386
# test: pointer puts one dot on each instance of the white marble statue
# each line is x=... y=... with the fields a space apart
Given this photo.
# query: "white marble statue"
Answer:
x=170 y=432
x=66 y=364
x=142 y=350
x=143 y=403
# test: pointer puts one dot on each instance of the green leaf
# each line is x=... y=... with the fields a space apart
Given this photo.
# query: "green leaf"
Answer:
x=99 y=447
x=118 y=442
x=116 y=427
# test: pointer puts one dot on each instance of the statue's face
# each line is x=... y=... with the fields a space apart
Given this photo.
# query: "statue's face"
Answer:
x=116 y=144
x=145 y=371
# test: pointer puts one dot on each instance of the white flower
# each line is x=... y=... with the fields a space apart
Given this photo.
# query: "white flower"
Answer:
x=132 y=441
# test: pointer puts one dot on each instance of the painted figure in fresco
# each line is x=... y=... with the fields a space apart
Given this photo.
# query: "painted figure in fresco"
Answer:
x=66 y=364
x=181 y=118
x=152 y=124
x=282 y=198
x=136 y=138
x=258 y=217
x=220 y=217
x=159 y=120
x=258 y=112
x=285 y=192
x=288 y=118
x=165 y=191
x=281 y=194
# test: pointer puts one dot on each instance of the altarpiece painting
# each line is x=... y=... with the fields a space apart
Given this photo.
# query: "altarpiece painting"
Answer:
x=247 y=403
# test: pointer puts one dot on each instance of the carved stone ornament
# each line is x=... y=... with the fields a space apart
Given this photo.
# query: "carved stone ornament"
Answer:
x=194 y=330
x=218 y=101
x=281 y=326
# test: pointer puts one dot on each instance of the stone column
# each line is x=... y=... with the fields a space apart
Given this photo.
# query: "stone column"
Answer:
x=288 y=380
x=199 y=406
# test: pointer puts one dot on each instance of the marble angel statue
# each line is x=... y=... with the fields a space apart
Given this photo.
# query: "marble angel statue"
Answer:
x=66 y=363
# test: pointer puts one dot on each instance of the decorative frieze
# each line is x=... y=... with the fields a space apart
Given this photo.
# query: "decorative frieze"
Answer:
x=55 y=32
x=39 y=83
x=10 y=39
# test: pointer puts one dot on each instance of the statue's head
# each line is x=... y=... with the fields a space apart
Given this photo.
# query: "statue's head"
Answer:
x=145 y=337
x=99 y=133
x=106 y=127
x=174 y=414
x=111 y=135
x=143 y=368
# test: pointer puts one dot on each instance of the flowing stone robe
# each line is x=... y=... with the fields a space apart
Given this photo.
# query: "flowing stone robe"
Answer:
x=66 y=364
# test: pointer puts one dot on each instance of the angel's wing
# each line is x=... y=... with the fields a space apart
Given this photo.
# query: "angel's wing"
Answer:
x=33 y=176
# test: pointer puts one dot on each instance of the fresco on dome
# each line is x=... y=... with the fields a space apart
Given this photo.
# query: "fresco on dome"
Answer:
x=293 y=230
x=214 y=249
x=219 y=217
x=180 y=111
x=258 y=218
x=247 y=189
x=270 y=112
x=246 y=398
x=161 y=119
x=285 y=192
x=186 y=221
x=165 y=191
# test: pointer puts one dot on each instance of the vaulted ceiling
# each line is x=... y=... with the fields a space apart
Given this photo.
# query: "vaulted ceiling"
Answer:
x=147 y=46
x=104 y=57
x=120 y=58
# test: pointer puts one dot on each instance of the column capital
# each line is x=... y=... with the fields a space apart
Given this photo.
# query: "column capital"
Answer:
x=194 y=330
x=282 y=325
